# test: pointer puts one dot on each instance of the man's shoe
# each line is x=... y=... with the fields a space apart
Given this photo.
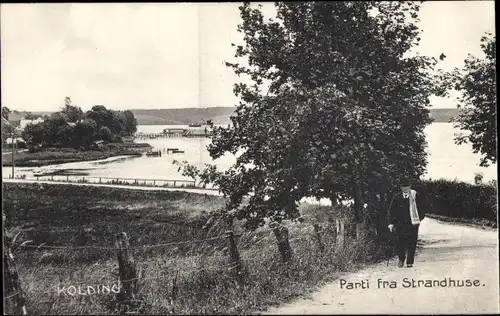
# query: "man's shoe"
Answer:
x=409 y=265
x=401 y=264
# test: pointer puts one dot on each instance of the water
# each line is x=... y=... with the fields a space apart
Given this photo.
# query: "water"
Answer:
x=446 y=160
x=450 y=161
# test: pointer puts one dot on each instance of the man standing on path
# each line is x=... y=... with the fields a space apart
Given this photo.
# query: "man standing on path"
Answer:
x=404 y=219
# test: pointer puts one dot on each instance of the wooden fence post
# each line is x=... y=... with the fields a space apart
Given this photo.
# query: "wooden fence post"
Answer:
x=13 y=289
x=340 y=232
x=318 y=231
x=233 y=253
x=360 y=230
x=173 y=293
x=127 y=269
x=281 y=234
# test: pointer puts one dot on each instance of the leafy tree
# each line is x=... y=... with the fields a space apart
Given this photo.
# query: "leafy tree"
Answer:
x=74 y=113
x=34 y=135
x=52 y=127
x=114 y=120
x=86 y=132
x=343 y=116
x=130 y=123
x=105 y=134
x=476 y=83
x=117 y=123
x=100 y=115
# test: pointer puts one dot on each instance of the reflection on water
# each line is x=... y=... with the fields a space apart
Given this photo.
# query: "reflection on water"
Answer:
x=446 y=160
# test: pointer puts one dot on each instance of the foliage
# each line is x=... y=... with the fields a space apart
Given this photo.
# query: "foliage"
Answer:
x=85 y=132
x=105 y=133
x=71 y=128
x=130 y=123
x=74 y=113
x=34 y=135
x=476 y=83
x=343 y=116
x=459 y=199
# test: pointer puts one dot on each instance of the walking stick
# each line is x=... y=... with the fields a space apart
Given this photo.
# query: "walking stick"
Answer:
x=391 y=243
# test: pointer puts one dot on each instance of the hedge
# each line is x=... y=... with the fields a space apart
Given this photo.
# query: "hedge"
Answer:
x=459 y=199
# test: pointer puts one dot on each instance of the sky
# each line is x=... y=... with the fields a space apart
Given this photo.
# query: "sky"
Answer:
x=166 y=55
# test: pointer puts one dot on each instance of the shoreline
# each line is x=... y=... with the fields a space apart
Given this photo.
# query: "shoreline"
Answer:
x=56 y=156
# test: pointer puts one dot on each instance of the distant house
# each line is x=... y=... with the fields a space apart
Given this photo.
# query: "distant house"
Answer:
x=15 y=119
x=198 y=130
x=24 y=122
x=18 y=141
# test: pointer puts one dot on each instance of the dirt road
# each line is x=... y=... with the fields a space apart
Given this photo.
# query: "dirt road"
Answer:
x=447 y=251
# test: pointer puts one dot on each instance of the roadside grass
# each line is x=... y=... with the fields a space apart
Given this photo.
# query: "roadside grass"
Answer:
x=91 y=216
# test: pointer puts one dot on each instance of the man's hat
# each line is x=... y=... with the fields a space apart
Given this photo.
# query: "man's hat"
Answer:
x=404 y=182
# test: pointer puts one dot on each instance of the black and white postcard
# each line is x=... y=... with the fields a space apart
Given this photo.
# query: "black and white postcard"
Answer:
x=278 y=158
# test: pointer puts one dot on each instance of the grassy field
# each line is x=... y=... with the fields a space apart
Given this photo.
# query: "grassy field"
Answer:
x=92 y=216
x=63 y=155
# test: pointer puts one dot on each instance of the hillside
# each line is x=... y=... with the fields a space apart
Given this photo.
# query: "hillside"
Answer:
x=220 y=115
x=443 y=115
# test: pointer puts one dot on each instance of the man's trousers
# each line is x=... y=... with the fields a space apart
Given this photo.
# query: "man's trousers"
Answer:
x=407 y=236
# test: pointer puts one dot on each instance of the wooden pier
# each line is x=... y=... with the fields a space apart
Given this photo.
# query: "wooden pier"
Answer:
x=171 y=134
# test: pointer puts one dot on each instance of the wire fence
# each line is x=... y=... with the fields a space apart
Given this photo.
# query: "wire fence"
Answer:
x=130 y=273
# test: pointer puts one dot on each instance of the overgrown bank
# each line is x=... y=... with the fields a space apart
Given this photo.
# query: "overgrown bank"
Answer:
x=52 y=156
x=91 y=216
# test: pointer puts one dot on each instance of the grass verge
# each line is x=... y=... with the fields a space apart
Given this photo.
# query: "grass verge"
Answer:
x=91 y=216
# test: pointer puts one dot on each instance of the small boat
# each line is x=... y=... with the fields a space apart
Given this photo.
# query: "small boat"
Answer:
x=194 y=125
x=177 y=151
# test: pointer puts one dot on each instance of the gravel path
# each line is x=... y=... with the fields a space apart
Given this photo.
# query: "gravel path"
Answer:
x=447 y=251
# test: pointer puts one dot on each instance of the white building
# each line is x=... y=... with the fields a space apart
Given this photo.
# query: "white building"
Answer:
x=17 y=140
x=24 y=122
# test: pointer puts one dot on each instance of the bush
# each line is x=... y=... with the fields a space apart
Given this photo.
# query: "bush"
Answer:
x=459 y=199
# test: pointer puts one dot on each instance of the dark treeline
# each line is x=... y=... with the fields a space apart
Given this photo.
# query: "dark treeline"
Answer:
x=72 y=128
